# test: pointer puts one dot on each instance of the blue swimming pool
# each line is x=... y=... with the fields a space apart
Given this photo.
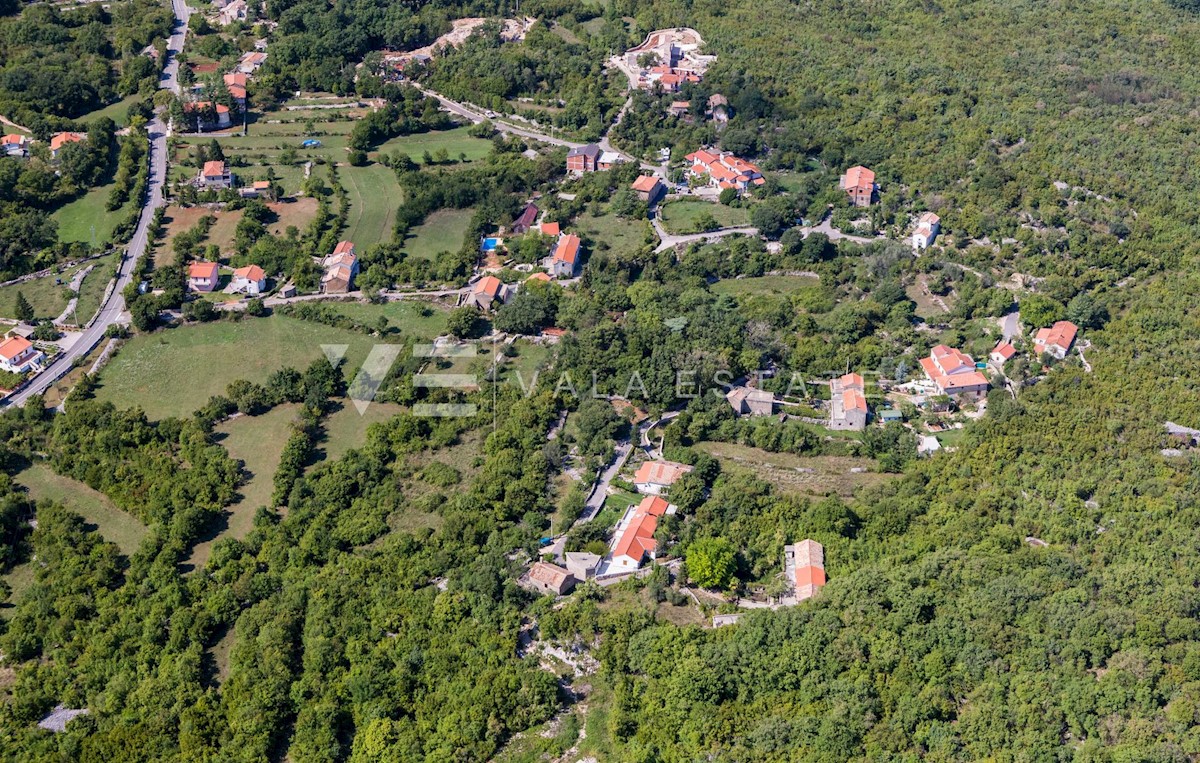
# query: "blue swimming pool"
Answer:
x=490 y=244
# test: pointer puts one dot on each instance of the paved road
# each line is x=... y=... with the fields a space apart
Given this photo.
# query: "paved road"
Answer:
x=1010 y=325
x=670 y=240
x=113 y=308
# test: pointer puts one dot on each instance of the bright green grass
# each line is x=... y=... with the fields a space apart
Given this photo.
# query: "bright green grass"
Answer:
x=681 y=216
x=91 y=291
x=614 y=508
x=117 y=112
x=345 y=428
x=409 y=318
x=621 y=236
x=374 y=196
x=47 y=298
x=95 y=507
x=442 y=231
x=520 y=369
x=175 y=372
x=77 y=219
x=766 y=285
x=455 y=141
x=19 y=579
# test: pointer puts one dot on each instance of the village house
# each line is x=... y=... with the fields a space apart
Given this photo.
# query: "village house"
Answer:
x=214 y=175
x=544 y=577
x=60 y=139
x=15 y=144
x=656 y=477
x=235 y=83
x=859 y=184
x=747 y=401
x=341 y=267
x=670 y=78
x=539 y=277
x=249 y=62
x=953 y=372
x=581 y=564
x=926 y=230
x=679 y=109
x=525 y=220
x=233 y=12
x=564 y=263
x=633 y=539
x=251 y=280
x=848 y=403
x=550 y=229
x=718 y=108
x=18 y=355
x=487 y=291
x=648 y=188
x=205 y=115
x=584 y=158
x=203 y=276
x=256 y=189
x=1056 y=340
x=724 y=170
x=804 y=568
x=1002 y=353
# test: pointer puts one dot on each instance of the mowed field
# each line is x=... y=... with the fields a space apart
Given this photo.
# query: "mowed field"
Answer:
x=49 y=298
x=346 y=428
x=442 y=231
x=816 y=476
x=175 y=372
x=413 y=318
x=87 y=220
x=681 y=216
x=457 y=142
x=97 y=510
x=179 y=219
x=374 y=196
x=622 y=237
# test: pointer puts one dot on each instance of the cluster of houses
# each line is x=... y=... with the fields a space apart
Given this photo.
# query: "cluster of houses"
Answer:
x=723 y=169
x=591 y=158
x=205 y=115
x=676 y=60
x=204 y=277
x=17 y=145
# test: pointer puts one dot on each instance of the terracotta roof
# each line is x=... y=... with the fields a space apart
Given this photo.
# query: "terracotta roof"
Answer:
x=552 y=331
x=858 y=177
x=261 y=185
x=681 y=104
x=549 y=574
x=551 y=229
x=645 y=183
x=13 y=347
x=60 y=139
x=13 y=139
x=489 y=285
x=568 y=249
x=220 y=108
x=1004 y=350
x=853 y=400
x=928 y=218
x=344 y=247
x=851 y=381
x=654 y=505
x=214 y=169
x=637 y=540
x=236 y=78
x=204 y=270
x=1060 y=335
x=660 y=472
x=251 y=273
x=810 y=564
x=539 y=277
x=338 y=272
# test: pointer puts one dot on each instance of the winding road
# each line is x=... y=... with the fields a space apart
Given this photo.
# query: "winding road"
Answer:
x=112 y=310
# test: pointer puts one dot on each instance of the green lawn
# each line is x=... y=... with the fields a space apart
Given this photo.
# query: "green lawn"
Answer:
x=681 y=216
x=614 y=508
x=19 y=579
x=442 y=231
x=621 y=236
x=175 y=371
x=86 y=219
x=48 y=299
x=117 y=112
x=526 y=363
x=774 y=286
x=95 y=507
x=91 y=291
x=345 y=428
x=411 y=318
x=456 y=142
x=374 y=196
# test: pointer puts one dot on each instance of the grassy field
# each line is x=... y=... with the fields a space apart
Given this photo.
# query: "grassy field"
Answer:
x=175 y=372
x=117 y=112
x=614 y=507
x=681 y=216
x=91 y=291
x=48 y=299
x=414 y=318
x=76 y=219
x=621 y=236
x=345 y=428
x=115 y=525
x=520 y=369
x=807 y=475
x=256 y=441
x=180 y=219
x=442 y=231
x=773 y=286
x=19 y=579
x=374 y=196
x=456 y=142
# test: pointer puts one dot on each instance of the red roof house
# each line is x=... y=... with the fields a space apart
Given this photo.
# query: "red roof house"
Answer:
x=953 y=372
x=655 y=477
x=859 y=184
x=203 y=276
x=1056 y=340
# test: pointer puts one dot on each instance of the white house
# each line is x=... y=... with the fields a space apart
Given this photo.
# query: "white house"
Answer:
x=215 y=175
x=234 y=12
x=18 y=355
x=250 y=280
x=203 y=276
x=633 y=540
x=928 y=225
x=14 y=144
x=564 y=263
x=1056 y=340
x=656 y=477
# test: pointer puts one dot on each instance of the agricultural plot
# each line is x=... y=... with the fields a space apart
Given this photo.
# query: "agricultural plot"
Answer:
x=683 y=216
x=95 y=507
x=91 y=291
x=816 y=476
x=87 y=219
x=47 y=297
x=771 y=286
x=618 y=235
x=442 y=231
x=374 y=196
x=405 y=319
x=179 y=219
x=173 y=373
x=457 y=143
